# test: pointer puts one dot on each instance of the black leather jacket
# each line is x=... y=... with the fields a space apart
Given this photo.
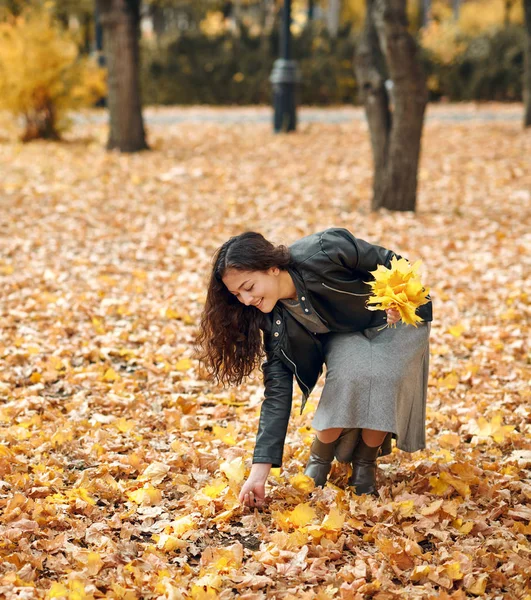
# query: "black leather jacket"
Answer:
x=329 y=270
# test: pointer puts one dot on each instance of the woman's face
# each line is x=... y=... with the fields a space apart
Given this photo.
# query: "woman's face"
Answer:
x=254 y=288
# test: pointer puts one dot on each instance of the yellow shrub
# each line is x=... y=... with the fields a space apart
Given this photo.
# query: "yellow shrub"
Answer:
x=477 y=16
x=42 y=75
x=442 y=39
x=444 y=36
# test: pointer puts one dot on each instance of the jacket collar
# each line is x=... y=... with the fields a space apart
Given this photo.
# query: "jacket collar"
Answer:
x=302 y=292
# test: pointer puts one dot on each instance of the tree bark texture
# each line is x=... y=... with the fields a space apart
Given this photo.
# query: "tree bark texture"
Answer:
x=369 y=68
x=120 y=20
x=527 y=65
x=395 y=123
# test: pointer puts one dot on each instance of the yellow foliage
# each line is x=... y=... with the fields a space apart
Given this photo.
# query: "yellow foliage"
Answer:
x=398 y=287
x=302 y=515
x=481 y=15
x=442 y=38
x=234 y=470
x=483 y=429
x=182 y=525
x=215 y=488
x=226 y=434
x=213 y=24
x=446 y=38
x=303 y=483
x=42 y=75
x=334 y=520
x=94 y=563
x=146 y=495
x=110 y=375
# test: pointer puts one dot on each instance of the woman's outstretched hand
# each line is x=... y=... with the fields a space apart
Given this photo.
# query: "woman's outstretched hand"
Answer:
x=253 y=490
x=393 y=316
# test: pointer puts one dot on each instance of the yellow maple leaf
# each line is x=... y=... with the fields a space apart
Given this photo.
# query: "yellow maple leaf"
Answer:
x=449 y=440
x=453 y=570
x=450 y=382
x=57 y=590
x=183 y=365
x=215 y=488
x=494 y=429
x=124 y=425
x=406 y=508
x=420 y=572
x=303 y=483
x=438 y=486
x=398 y=287
x=94 y=563
x=203 y=592
x=334 y=520
x=302 y=515
x=225 y=434
x=172 y=314
x=234 y=470
x=456 y=330
x=168 y=542
x=81 y=494
x=432 y=508
x=463 y=527
x=479 y=586
x=219 y=560
x=146 y=495
x=110 y=375
x=35 y=377
x=182 y=525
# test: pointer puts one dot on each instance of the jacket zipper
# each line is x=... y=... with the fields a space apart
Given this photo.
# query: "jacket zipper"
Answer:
x=296 y=372
x=343 y=291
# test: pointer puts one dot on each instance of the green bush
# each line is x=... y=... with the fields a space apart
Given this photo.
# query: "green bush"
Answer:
x=192 y=68
x=490 y=68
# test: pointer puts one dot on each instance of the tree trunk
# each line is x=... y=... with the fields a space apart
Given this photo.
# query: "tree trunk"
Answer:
x=40 y=122
x=120 y=20
x=395 y=137
x=368 y=64
x=333 y=17
x=527 y=61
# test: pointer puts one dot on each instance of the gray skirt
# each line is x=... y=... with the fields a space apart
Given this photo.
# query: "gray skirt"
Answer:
x=377 y=380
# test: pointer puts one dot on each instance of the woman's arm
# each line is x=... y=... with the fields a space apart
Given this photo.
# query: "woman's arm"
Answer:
x=275 y=412
x=253 y=490
x=353 y=253
x=274 y=418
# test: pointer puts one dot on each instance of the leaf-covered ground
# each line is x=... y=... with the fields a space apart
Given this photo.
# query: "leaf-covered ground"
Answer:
x=120 y=464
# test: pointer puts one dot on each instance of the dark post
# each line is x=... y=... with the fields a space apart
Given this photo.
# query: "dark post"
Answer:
x=311 y=10
x=284 y=77
x=98 y=39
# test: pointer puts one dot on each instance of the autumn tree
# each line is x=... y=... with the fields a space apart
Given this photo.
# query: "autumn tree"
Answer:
x=395 y=112
x=42 y=75
x=120 y=21
x=527 y=68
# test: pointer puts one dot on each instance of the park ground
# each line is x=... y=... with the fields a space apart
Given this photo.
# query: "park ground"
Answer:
x=120 y=463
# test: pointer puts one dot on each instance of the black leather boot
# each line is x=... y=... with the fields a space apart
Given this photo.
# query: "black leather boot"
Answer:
x=363 y=476
x=320 y=461
x=345 y=445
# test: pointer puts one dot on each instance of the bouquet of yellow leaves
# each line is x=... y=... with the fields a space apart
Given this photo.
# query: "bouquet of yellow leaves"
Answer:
x=400 y=288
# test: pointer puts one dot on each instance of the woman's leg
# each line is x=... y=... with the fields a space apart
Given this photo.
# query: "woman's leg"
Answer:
x=328 y=436
x=373 y=437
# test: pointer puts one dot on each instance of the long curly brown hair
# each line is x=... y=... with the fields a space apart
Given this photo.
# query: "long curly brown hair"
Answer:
x=229 y=342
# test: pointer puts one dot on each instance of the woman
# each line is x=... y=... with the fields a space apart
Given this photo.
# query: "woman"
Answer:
x=305 y=306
